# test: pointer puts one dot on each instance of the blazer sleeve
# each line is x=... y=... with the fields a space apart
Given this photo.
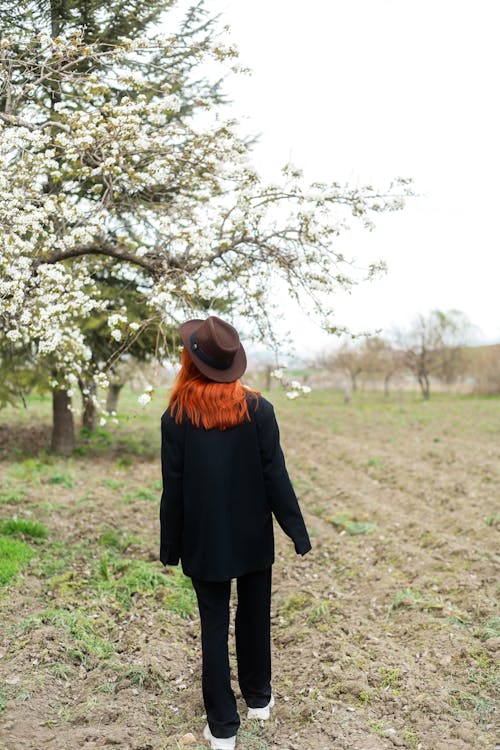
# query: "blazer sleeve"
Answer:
x=280 y=493
x=171 y=507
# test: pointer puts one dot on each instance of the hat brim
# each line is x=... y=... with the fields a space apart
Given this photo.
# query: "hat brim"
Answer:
x=232 y=373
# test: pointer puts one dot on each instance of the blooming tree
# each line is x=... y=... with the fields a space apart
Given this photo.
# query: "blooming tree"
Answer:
x=132 y=182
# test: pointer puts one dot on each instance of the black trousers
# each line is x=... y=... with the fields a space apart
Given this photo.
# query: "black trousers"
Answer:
x=253 y=647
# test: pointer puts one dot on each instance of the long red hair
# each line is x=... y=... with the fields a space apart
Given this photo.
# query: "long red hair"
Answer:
x=203 y=401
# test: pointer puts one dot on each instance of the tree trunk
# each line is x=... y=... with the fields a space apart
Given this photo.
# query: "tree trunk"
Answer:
x=386 y=383
x=427 y=388
x=354 y=382
x=112 y=397
x=88 y=390
x=424 y=386
x=63 y=427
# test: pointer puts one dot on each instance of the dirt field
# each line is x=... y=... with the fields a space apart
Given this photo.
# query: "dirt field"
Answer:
x=385 y=637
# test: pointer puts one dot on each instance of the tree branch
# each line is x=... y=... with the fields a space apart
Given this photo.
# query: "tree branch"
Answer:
x=14 y=120
x=99 y=248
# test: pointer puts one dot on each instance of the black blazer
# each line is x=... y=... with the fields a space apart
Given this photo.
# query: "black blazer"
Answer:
x=220 y=489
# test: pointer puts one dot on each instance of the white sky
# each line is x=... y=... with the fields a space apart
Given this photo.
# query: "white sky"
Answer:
x=363 y=91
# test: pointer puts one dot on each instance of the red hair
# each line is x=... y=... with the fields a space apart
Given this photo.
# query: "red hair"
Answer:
x=203 y=401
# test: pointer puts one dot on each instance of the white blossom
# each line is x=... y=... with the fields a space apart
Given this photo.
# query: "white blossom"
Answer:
x=144 y=399
x=199 y=245
x=115 y=319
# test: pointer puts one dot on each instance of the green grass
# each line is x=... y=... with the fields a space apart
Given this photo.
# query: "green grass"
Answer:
x=84 y=641
x=8 y=497
x=56 y=558
x=140 y=494
x=23 y=527
x=117 y=540
x=113 y=484
x=14 y=554
x=3 y=701
x=123 y=578
x=493 y=519
x=412 y=598
x=411 y=738
x=489 y=629
x=480 y=707
x=147 y=677
x=390 y=678
x=28 y=470
x=63 y=478
x=179 y=596
x=346 y=521
x=320 y=613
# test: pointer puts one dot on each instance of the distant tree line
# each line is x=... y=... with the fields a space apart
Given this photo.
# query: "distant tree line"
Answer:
x=435 y=346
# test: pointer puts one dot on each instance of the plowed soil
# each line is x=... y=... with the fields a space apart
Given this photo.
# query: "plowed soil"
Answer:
x=384 y=635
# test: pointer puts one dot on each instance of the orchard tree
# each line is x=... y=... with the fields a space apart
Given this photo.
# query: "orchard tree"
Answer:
x=132 y=182
x=105 y=25
x=103 y=340
x=484 y=368
x=348 y=360
x=380 y=360
x=433 y=345
x=455 y=332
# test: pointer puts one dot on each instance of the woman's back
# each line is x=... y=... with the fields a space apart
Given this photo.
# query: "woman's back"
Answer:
x=228 y=482
x=224 y=476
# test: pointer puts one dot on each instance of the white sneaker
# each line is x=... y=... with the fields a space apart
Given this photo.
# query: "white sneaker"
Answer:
x=219 y=743
x=261 y=713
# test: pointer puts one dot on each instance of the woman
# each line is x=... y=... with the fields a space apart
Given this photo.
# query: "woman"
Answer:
x=224 y=476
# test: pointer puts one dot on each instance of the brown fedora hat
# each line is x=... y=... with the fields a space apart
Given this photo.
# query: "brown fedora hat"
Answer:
x=215 y=348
